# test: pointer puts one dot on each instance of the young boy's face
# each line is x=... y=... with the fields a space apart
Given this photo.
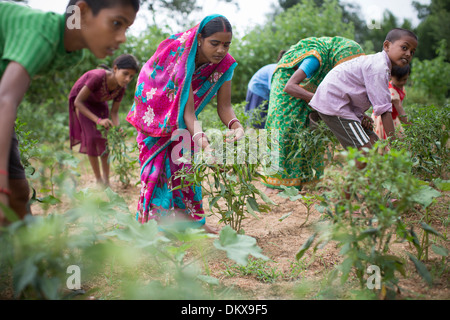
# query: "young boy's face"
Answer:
x=401 y=51
x=104 y=32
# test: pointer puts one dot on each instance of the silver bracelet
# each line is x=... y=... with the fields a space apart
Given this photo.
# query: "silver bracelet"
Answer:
x=200 y=132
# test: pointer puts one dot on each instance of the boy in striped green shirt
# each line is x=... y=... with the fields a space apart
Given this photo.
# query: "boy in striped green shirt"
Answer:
x=33 y=42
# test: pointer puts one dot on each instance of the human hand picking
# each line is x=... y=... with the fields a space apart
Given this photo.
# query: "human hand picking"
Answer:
x=105 y=123
x=235 y=134
x=367 y=122
x=209 y=155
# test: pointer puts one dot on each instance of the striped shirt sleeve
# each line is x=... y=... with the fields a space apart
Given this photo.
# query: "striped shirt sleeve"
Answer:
x=30 y=49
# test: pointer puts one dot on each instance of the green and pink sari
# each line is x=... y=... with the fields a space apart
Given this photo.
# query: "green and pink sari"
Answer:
x=286 y=113
x=162 y=91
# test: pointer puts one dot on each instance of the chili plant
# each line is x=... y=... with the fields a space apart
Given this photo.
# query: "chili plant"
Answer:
x=99 y=233
x=313 y=147
x=308 y=200
x=228 y=180
x=27 y=146
x=119 y=151
x=427 y=139
x=367 y=221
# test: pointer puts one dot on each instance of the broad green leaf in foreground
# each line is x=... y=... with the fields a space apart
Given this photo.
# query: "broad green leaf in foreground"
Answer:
x=142 y=235
x=439 y=250
x=305 y=246
x=426 y=195
x=237 y=246
x=443 y=185
x=422 y=269
x=291 y=193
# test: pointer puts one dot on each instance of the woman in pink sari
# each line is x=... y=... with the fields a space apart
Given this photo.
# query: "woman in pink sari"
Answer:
x=185 y=73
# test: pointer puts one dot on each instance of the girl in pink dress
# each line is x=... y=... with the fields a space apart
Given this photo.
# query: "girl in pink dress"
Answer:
x=399 y=77
x=88 y=107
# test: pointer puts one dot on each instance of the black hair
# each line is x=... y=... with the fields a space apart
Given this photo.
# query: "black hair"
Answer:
x=397 y=33
x=97 y=5
x=218 y=24
x=281 y=54
x=124 y=61
x=400 y=72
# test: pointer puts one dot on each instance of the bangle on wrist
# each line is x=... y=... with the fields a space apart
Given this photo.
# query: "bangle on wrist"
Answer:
x=4 y=172
x=5 y=191
x=232 y=121
x=198 y=133
x=98 y=120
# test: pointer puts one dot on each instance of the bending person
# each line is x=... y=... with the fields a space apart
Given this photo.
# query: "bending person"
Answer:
x=297 y=76
x=258 y=94
x=185 y=73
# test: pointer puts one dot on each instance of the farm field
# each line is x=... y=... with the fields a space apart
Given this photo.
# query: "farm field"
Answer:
x=282 y=276
x=381 y=233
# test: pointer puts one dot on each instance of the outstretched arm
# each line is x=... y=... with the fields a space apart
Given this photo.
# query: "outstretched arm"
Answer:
x=79 y=104
x=293 y=86
x=192 y=124
x=401 y=112
x=13 y=86
x=388 y=124
x=226 y=112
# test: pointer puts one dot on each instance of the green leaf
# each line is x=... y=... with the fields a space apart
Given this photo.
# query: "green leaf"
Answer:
x=305 y=247
x=49 y=200
x=237 y=246
x=285 y=216
x=443 y=185
x=290 y=192
x=209 y=280
x=250 y=210
x=266 y=198
x=49 y=287
x=252 y=202
x=23 y=274
x=142 y=235
x=425 y=196
x=439 y=250
x=429 y=229
x=117 y=200
x=422 y=269
x=9 y=213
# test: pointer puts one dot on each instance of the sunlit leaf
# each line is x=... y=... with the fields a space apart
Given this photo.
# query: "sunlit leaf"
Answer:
x=237 y=246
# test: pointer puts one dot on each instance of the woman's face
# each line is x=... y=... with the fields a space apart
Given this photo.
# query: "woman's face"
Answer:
x=214 y=48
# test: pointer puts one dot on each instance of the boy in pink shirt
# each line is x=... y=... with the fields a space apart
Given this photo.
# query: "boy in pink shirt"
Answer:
x=349 y=90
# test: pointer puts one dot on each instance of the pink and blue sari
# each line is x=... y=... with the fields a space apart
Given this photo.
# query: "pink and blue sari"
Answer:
x=162 y=91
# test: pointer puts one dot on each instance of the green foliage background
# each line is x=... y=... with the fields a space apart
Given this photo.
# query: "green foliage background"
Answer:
x=289 y=23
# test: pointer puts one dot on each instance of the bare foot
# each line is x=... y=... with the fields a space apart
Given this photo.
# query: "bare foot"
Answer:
x=209 y=229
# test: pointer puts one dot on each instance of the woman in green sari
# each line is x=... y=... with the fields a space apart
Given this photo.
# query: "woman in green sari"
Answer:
x=296 y=78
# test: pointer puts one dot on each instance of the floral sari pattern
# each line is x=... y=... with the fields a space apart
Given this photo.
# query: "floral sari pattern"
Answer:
x=162 y=91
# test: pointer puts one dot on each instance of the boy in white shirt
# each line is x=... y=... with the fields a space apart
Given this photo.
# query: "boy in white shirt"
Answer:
x=349 y=90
